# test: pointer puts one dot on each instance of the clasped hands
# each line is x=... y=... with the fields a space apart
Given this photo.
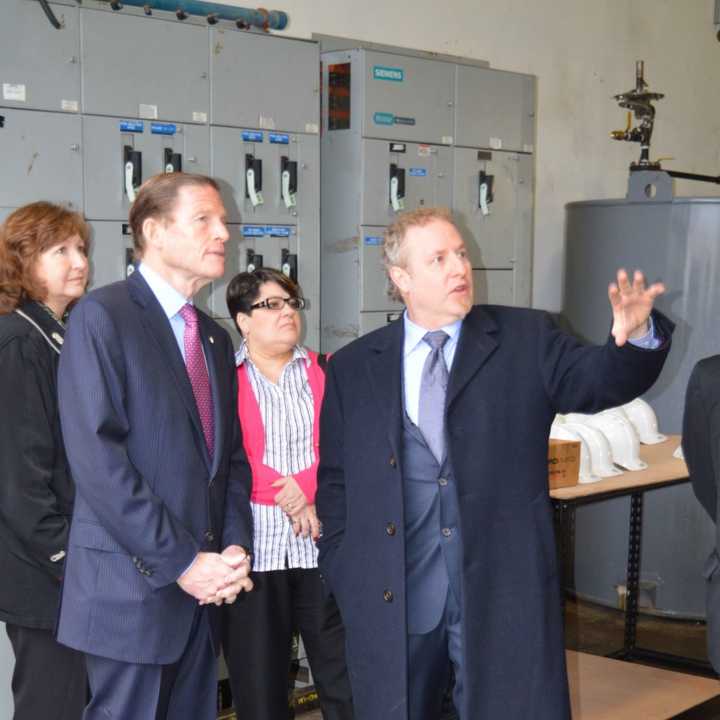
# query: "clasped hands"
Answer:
x=631 y=305
x=293 y=502
x=218 y=577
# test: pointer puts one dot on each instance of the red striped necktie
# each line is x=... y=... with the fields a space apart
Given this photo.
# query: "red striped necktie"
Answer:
x=198 y=374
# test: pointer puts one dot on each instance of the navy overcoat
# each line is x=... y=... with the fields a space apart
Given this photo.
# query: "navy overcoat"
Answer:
x=512 y=372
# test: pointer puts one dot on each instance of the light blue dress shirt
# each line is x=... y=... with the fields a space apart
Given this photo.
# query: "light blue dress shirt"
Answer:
x=170 y=300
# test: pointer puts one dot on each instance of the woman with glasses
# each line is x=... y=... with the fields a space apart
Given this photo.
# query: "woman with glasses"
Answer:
x=280 y=389
x=43 y=270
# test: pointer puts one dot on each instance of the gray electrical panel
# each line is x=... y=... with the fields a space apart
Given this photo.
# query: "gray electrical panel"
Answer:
x=111 y=252
x=402 y=130
x=153 y=68
x=494 y=109
x=31 y=79
x=41 y=158
x=91 y=110
x=154 y=147
x=264 y=82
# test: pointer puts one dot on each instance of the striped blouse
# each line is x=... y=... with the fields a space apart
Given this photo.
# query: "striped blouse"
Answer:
x=287 y=413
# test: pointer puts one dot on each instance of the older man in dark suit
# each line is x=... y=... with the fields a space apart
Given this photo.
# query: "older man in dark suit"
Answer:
x=437 y=532
x=162 y=518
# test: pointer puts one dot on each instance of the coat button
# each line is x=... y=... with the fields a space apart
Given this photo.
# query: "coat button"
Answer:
x=447 y=532
x=390 y=529
x=209 y=536
x=393 y=461
x=442 y=481
x=388 y=596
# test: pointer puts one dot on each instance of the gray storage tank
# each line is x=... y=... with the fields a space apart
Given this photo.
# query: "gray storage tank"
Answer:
x=676 y=240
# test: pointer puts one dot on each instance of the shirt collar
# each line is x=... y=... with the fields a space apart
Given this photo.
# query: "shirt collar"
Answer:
x=169 y=298
x=299 y=353
x=414 y=334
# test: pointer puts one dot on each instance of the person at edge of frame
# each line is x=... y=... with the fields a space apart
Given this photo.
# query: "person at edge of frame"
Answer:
x=43 y=272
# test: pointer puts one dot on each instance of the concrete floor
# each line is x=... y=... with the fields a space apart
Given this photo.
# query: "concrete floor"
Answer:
x=600 y=630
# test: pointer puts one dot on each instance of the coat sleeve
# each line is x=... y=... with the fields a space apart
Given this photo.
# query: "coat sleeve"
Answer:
x=330 y=498
x=29 y=508
x=700 y=436
x=238 y=525
x=96 y=425
x=588 y=378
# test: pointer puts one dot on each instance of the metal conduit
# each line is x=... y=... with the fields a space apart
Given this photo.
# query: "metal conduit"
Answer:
x=266 y=19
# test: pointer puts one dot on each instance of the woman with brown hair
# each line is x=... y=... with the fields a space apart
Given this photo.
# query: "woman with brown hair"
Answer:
x=43 y=270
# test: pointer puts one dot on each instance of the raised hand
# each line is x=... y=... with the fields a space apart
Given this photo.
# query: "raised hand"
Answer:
x=631 y=305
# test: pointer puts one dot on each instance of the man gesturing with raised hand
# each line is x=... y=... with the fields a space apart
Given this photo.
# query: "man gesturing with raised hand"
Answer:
x=438 y=539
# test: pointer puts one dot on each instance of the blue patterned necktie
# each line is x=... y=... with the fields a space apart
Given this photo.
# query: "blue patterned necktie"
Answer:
x=433 y=388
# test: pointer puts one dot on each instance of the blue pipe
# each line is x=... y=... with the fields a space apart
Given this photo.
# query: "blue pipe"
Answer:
x=273 y=19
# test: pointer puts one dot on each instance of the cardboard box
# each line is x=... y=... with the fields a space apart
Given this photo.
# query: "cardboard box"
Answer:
x=563 y=463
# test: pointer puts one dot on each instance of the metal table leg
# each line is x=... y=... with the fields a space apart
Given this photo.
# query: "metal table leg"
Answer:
x=633 y=573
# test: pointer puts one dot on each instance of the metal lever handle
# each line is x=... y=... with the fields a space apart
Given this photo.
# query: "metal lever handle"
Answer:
x=129 y=187
x=396 y=202
x=484 y=207
x=256 y=198
x=288 y=198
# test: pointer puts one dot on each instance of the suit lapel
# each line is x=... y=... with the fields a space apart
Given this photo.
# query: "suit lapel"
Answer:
x=476 y=344
x=384 y=368
x=156 y=322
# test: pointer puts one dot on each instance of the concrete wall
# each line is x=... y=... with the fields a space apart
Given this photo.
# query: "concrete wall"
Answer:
x=583 y=53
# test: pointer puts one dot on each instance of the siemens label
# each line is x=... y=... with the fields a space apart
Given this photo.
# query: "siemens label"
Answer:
x=278 y=138
x=418 y=172
x=381 y=72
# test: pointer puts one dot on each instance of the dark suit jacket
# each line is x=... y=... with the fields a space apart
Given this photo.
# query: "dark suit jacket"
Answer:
x=36 y=490
x=513 y=370
x=148 y=498
x=701 y=445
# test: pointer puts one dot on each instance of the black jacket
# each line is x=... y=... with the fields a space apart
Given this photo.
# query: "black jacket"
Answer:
x=36 y=490
x=701 y=428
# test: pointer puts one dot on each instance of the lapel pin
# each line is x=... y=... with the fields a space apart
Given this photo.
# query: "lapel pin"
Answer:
x=58 y=338
x=212 y=340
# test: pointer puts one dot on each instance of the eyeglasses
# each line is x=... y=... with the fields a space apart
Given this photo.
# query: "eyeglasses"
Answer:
x=277 y=303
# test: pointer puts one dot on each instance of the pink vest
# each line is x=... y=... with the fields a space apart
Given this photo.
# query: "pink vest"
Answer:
x=253 y=432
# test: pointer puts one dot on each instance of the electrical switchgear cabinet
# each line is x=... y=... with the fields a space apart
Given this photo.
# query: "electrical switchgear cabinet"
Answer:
x=41 y=158
x=403 y=131
x=153 y=68
x=42 y=73
x=109 y=144
x=494 y=109
x=264 y=81
x=90 y=111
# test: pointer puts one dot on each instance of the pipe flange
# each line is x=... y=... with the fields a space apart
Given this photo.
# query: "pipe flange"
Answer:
x=266 y=19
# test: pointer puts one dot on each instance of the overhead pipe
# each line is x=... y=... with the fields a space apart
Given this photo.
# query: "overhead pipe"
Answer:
x=242 y=17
